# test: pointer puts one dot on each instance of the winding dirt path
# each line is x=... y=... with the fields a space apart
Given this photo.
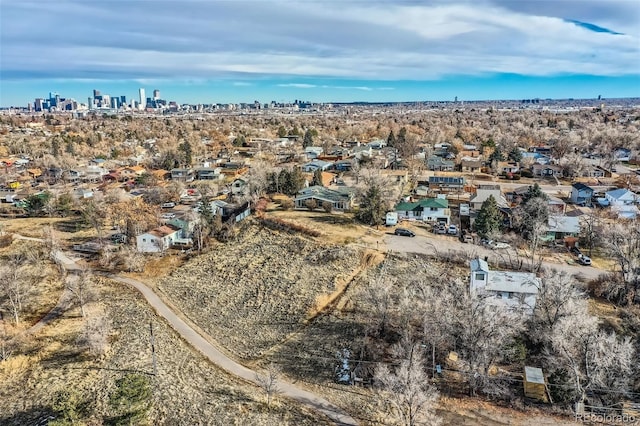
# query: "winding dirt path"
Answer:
x=198 y=342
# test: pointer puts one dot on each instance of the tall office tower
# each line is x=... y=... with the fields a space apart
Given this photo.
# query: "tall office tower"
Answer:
x=38 y=105
x=89 y=102
x=143 y=99
x=123 y=100
x=156 y=95
x=96 y=93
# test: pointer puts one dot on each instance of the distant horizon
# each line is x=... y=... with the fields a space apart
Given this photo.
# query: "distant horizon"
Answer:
x=495 y=88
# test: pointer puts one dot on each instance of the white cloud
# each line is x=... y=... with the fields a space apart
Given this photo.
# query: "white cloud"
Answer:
x=382 y=40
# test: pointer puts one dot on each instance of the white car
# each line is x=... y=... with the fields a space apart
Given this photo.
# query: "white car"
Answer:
x=452 y=230
x=168 y=205
x=497 y=246
x=167 y=215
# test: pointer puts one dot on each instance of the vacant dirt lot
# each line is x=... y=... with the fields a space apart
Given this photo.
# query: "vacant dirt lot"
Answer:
x=250 y=294
x=187 y=389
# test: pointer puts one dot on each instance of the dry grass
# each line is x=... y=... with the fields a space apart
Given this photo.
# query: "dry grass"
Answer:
x=187 y=389
x=335 y=228
x=251 y=293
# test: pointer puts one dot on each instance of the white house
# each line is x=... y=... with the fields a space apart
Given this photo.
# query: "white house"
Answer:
x=239 y=187
x=428 y=210
x=513 y=290
x=157 y=240
x=620 y=197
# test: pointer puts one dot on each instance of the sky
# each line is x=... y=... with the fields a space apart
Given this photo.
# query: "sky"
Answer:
x=224 y=51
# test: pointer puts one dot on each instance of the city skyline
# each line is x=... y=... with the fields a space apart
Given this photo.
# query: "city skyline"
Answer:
x=228 y=52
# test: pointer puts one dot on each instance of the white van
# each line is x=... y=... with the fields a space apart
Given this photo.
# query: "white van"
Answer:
x=391 y=219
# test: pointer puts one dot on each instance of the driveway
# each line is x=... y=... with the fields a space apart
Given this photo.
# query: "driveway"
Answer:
x=441 y=244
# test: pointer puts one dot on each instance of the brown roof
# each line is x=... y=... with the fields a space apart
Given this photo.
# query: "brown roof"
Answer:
x=164 y=230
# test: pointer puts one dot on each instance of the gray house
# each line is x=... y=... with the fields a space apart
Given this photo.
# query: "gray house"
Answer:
x=581 y=194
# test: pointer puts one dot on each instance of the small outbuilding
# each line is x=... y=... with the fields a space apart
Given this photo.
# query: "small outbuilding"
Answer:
x=534 y=384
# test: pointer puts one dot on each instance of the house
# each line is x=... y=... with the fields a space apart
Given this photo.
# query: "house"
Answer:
x=239 y=187
x=439 y=164
x=446 y=183
x=131 y=173
x=183 y=175
x=546 y=170
x=622 y=202
x=516 y=291
x=620 y=197
x=396 y=176
x=157 y=240
x=73 y=175
x=314 y=165
x=209 y=173
x=340 y=200
x=429 y=210
x=562 y=226
x=556 y=205
x=313 y=152
x=581 y=194
x=508 y=167
x=234 y=168
x=470 y=165
x=594 y=172
x=484 y=192
x=235 y=212
x=94 y=174
x=377 y=144
x=343 y=165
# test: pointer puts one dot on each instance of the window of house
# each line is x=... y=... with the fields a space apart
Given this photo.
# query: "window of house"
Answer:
x=480 y=276
x=498 y=295
x=510 y=295
x=144 y=240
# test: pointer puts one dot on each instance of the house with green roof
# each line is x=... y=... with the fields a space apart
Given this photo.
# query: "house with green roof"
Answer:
x=428 y=210
x=340 y=200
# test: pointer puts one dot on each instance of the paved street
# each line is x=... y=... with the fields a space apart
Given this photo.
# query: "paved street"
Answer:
x=432 y=244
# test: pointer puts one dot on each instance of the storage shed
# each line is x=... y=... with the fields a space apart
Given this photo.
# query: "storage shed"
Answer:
x=534 y=384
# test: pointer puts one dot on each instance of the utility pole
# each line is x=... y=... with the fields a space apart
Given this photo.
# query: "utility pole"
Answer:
x=153 y=350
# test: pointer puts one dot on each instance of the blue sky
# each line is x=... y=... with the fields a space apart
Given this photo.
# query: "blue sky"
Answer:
x=328 y=50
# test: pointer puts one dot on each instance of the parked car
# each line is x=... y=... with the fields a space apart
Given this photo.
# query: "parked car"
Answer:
x=119 y=238
x=584 y=260
x=467 y=238
x=439 y=229
x=452 y=230
x=498 y=246
x=404 y=232
x=575 y=250
x=167 y=215
x=168 y=205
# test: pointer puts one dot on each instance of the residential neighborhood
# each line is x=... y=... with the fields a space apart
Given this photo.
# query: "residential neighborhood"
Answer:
x=344 y=234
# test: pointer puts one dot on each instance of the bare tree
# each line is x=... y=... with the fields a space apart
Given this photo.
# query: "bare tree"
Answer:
x=81 y=287
x=406 y=390
x=268 y=382
x=623 y=245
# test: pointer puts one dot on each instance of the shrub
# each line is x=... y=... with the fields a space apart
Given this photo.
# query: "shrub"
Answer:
x=311 y=204
x=6 y=240
x=286 y=204
x=526 y=173
x=327 y=206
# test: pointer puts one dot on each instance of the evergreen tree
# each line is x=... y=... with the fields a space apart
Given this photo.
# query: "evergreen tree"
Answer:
x=372 y=206
x=496 y=155
x=187 y=153
x=391 y=139
x=489 y=220
x=282 y=132
x=515 y=154
x=402 y=136
x=317 y=178
x=308 y=139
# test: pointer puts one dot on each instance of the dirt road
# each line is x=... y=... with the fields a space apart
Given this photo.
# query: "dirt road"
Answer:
x=442 y=244
x=214 y=355
x=198 y=342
